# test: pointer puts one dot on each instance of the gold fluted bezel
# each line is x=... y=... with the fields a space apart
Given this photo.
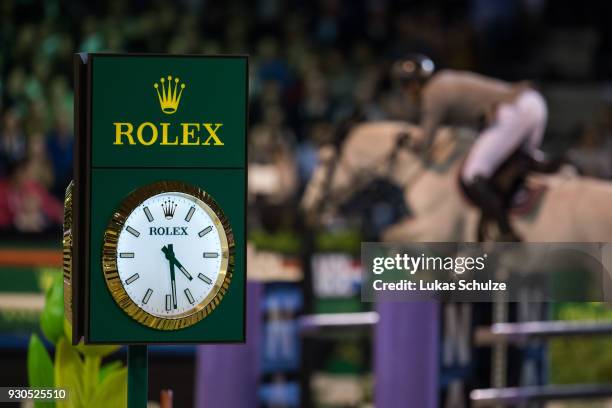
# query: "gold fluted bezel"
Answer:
x=67 y=251
x=109 y=256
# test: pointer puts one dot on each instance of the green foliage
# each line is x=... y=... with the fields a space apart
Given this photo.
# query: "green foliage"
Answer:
x=76 y=368
x=47 y=277
x=581 y=359
x=112 y=391
x=52 y=316
x=40 y=369
x=339 y=241
x=69 y=374
x=109 y=369
x=285 y=242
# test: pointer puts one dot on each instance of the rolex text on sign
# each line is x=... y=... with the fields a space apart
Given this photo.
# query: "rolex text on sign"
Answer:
x=169 y=91
x=147 y=133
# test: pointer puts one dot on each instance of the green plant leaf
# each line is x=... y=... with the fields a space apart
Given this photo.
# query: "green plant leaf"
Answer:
x=96 y=351
x=69 y=374
x=52 y=315
x=91 y=375
x=112 y=392
x=92 y=351
x=40 y=369
x=108 y=369
x=68 y=331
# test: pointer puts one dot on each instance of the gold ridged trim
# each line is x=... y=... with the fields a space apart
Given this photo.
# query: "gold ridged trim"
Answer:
x=67 y=252
x=109 y=256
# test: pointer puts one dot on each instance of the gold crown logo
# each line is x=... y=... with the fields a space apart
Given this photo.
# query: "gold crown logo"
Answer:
x=169 y=98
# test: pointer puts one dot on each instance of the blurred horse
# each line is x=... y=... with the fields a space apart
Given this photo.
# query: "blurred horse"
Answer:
x=570 y=209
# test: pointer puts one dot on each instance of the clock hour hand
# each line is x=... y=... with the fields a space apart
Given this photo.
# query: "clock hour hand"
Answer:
x=169 y=252
x=182 y=269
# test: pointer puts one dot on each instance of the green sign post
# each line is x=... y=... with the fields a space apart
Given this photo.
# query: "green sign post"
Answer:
x=158 y=234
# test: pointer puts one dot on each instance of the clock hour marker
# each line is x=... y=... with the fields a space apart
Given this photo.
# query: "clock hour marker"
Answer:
x=147 y=296
x=205 y=231
x=168 y=302
x=132 y=278
x=148 y=214
x=211 y=255
x=126 y=255
x=190 y=214
x=204 y=278
x=189 y=297
x=133 y=231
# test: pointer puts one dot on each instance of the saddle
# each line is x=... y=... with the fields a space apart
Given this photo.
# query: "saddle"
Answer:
x=519 y=195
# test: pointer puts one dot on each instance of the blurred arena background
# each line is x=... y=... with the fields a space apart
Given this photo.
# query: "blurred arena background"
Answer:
x=312 y=65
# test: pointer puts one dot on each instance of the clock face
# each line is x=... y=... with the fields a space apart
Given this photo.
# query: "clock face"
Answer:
x=171 y=256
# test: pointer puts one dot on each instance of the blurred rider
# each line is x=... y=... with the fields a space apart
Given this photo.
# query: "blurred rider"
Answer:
x=509 y=117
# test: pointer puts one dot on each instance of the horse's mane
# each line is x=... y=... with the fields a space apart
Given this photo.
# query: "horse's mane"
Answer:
x=460 y=141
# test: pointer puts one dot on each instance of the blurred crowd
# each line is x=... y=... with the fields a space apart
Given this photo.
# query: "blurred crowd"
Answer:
x=312 y=64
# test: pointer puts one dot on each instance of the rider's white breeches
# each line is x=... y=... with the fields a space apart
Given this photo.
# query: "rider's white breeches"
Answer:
x=519 y=124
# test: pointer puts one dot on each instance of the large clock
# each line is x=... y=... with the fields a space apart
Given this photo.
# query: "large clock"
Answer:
x=168 y=255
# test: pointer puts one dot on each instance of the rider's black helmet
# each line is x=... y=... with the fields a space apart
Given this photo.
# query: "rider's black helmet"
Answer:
x=413 y=67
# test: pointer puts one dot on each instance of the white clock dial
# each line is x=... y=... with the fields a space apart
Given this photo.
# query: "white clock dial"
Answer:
x=170 y=253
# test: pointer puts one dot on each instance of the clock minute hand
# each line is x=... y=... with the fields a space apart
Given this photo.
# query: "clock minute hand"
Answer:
x=173 y=285
x=169 y=253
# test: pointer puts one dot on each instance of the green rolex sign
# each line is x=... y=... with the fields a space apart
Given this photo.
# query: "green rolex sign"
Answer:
x=158 y=235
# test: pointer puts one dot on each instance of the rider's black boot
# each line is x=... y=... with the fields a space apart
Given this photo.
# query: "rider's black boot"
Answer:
x=546 y=165
x=492 y=206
